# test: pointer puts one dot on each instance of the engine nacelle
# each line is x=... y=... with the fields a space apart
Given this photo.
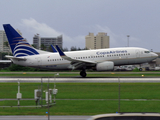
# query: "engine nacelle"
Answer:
x=104 y=66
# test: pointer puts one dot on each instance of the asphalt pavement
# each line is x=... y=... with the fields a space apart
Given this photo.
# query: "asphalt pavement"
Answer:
x=82 y=80
x=21 y=117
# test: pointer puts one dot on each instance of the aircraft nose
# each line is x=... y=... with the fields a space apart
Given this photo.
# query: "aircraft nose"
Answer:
x=154 y=55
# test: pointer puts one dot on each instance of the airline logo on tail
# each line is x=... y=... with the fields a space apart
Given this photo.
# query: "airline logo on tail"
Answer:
x=23 y=48
x=19 y=46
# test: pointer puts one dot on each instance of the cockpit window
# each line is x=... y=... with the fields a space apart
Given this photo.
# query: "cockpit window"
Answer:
x=146 y=51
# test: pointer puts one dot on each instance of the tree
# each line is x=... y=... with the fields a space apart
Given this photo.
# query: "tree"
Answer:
x=6 y=44
x=73 y=48
x=33 y=45
x=43 y=47
x=50 y=49
x=65 y=49
x=85 y=48
x=79 y=48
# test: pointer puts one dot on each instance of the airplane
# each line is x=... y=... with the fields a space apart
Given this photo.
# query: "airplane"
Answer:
x=99 y=59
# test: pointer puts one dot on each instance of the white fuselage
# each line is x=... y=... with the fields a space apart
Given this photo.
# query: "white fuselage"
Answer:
x=119 y=56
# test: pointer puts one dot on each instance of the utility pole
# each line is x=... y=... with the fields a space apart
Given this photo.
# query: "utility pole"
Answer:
x=128 y=39
x=55 y=87
x=41 y=92
x=119 y=95
x=48 y=99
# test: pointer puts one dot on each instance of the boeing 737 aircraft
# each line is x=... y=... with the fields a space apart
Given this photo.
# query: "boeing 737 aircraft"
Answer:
x=100 y=59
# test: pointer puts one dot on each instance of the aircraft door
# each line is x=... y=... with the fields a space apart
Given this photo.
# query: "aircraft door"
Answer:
x=137 y=60
x=137 y=53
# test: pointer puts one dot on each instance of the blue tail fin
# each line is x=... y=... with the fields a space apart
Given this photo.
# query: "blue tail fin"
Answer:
x=54 y=50
x=19 y=46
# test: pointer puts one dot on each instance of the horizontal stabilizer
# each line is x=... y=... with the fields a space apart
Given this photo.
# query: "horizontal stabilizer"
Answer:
x=12 y=57
x=5 y=61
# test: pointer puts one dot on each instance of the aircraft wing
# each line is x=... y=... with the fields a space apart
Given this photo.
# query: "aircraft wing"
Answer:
x=71 y=59
x=5 y=61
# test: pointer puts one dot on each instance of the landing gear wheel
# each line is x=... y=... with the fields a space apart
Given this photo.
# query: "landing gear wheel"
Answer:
x=140 y=69
x=83 y=74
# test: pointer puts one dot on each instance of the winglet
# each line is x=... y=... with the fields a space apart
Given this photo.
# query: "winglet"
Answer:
x=71 y=59
x=60 y=51
x=54 y=50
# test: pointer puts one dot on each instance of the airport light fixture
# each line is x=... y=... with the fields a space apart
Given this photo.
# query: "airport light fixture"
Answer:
x=55 y=79
x=19 y=95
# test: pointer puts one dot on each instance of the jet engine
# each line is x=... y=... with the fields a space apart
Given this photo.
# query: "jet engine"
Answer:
x=104 y=66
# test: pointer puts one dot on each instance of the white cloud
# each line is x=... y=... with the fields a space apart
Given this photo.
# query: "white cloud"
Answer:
x=45 y=31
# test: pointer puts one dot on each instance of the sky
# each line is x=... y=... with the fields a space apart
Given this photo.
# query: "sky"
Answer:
x=74 y=19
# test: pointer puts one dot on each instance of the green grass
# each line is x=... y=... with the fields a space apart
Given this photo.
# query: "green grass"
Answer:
x=86 y=90
x=75 y=74
x=84 y=107
x=82 y=92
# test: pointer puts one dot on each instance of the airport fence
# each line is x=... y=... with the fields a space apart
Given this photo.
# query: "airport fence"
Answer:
x=117 y=96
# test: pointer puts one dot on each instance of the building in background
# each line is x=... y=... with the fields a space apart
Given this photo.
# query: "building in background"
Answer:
x=44 y=43
x=100 y=41
x=3 y=40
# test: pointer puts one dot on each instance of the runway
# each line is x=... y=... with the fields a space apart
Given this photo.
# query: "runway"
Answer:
x=21 y=117
x=82 y=80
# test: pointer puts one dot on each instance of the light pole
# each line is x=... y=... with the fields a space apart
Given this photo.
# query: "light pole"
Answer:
x=128 y=39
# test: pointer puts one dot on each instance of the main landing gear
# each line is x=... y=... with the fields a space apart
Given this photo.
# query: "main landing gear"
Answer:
x=83 y=73
x=140 y=69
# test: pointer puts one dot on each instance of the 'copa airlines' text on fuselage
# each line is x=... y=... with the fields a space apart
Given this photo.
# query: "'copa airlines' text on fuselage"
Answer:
x=111 y=52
